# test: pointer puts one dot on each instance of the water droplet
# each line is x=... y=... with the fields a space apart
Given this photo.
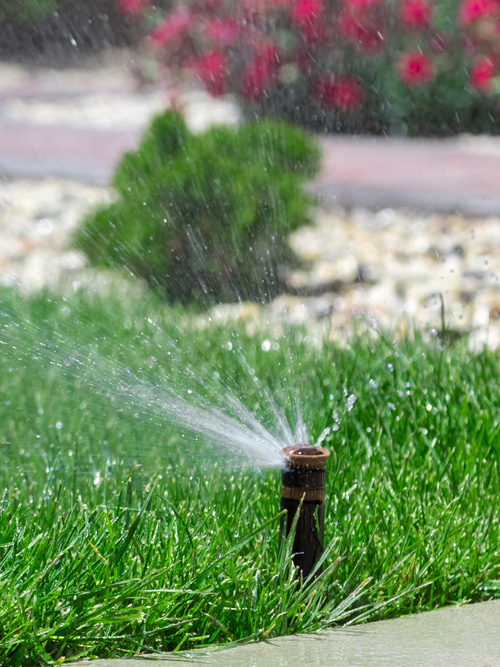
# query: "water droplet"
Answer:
x=266 y=345
x=59 y=425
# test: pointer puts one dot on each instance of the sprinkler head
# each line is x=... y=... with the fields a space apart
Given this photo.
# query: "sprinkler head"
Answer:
x=305 y=456
x=303 y=491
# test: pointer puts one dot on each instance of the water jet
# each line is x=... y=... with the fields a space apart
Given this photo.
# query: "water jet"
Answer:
x=303 y=491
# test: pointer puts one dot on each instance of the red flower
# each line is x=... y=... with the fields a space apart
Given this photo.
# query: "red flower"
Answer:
x=340 y=92
x=308 y=17
x=481 y=73
x=305 y=12
x=473 y=10
x=132 y=6
x=212 y=69
x=415 y=69
x=175 y=25
x=222 y=31
x=313 y=32
x=261 y=74
x=370 y=40
x=416 y=14
x=367 y=38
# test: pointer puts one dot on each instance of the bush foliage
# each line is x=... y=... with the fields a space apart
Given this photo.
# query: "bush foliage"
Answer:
x=205 y=217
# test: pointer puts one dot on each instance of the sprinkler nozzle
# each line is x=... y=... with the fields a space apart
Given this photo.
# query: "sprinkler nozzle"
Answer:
x=303 y=486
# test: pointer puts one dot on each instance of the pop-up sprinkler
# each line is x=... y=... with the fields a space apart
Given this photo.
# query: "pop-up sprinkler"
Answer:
x=303 y=485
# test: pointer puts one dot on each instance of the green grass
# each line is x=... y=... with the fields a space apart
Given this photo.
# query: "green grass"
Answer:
x=119 y=535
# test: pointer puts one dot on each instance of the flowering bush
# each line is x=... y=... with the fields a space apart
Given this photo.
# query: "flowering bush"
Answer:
x=400 y=66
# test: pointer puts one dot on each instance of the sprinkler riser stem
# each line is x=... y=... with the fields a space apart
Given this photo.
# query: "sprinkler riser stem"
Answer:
x=303 y=492
x=308 y=540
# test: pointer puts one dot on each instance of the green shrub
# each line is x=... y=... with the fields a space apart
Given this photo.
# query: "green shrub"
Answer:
x=205 y=217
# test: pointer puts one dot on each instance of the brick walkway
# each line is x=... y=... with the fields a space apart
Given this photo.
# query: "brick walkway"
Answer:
x=432 y=175
x=443 y=176
x=453 y=175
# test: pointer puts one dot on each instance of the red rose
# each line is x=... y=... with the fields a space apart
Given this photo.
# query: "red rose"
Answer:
x=473 y=10
x=132 y=6
x=369 y=39
x=212 y=69
x=175 y=25
x=313 y=32
x=261 y=74
x=306 y=11
x=416 y=14
x=222 y=31
x=415 y=69
x=308 y=17
x=339 y=92
x=481 y=73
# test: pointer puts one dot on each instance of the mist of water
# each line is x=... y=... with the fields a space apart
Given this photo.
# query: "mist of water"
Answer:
x=214 y=418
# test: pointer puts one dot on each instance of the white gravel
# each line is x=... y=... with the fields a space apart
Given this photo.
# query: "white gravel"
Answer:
x=384 y=269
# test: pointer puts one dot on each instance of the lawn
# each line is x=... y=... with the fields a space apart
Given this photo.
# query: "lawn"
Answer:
x=122 y=533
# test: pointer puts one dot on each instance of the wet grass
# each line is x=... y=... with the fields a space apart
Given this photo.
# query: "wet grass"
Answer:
x=120 y=535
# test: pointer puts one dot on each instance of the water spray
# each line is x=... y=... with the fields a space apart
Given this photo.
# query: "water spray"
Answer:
x=303 y=490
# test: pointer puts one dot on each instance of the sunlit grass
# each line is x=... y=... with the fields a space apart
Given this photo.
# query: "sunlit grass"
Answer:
x=119 y=535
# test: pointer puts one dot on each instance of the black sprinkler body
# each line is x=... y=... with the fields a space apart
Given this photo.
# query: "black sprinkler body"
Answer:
x=303 y=481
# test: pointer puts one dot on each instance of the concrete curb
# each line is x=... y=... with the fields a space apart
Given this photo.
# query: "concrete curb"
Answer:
x=464 y=636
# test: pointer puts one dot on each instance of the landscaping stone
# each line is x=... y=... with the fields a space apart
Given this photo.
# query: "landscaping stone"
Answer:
x=381 y=270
